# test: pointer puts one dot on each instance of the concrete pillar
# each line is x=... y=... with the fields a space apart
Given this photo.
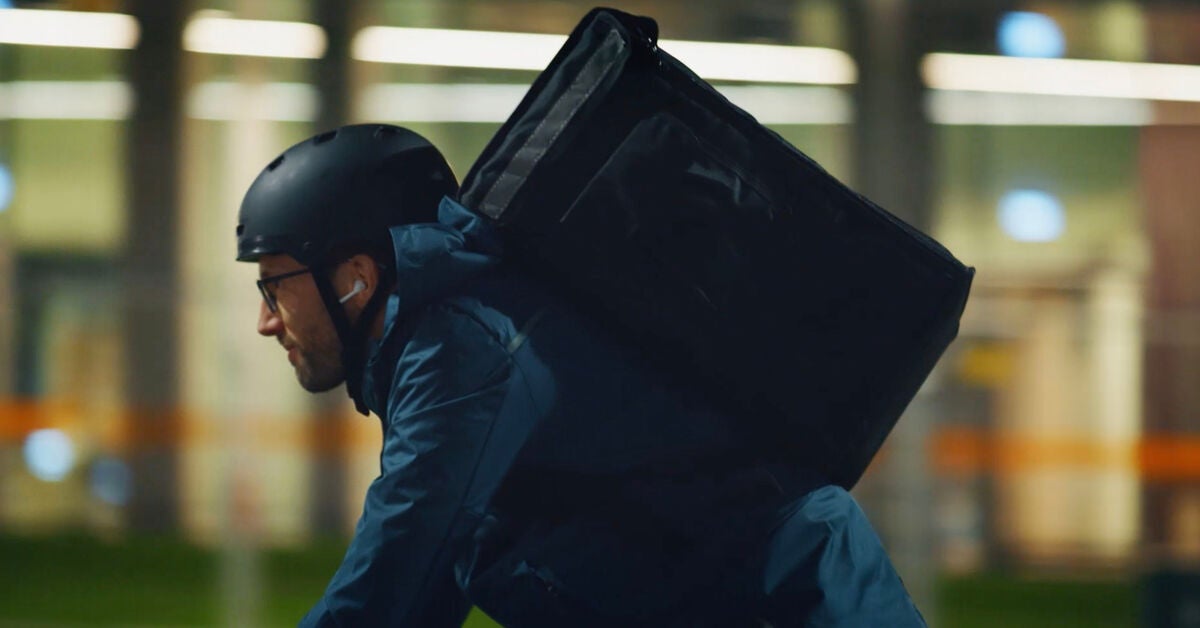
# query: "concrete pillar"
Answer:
x=892 y=167
x=150 y=261
x=1168 y=164
x=1172 y=355
x=329 y=425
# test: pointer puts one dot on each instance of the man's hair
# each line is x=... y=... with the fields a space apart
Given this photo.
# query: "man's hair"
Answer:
x=380 y=251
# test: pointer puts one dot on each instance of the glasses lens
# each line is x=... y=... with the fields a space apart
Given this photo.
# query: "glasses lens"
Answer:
x=267 y=295
x=266 y=286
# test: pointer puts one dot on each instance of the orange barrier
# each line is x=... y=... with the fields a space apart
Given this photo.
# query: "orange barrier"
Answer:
x=965 y=451
x=957 y=450
x=1170 y=457
x=20 y=417
x=954 y=451
x=126 y=430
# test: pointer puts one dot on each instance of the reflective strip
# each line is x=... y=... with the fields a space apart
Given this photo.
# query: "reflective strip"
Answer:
x=522 y=335
x=506 y=186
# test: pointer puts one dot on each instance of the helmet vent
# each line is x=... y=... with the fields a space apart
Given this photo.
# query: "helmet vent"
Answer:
x=384 y=132
x=241 y=229
x=275 y=164
x=325 y=137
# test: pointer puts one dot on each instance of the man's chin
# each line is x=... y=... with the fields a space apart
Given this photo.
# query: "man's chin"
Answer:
x=320 y=386
x=317 y=383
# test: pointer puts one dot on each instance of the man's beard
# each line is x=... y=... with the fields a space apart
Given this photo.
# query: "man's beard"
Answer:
x=320 y=371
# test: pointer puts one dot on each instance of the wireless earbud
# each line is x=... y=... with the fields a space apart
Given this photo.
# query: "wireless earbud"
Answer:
x=359 y=286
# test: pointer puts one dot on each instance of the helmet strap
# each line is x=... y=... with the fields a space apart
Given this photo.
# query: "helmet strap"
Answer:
x=351 y=337
x=355 y=363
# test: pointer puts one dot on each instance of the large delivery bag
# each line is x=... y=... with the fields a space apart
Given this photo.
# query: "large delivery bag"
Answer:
x=647 y=197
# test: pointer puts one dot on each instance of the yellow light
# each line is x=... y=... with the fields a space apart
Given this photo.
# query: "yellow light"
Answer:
x=774 y=104
x=210 y=33
x=284 y=102
x=460 y=102
x=530 y=51
x=38 y=27
x=456 y=48
x=999 y=109
x=764 y=63
x=1062 y=77
x=495 y=102
x=65 y=100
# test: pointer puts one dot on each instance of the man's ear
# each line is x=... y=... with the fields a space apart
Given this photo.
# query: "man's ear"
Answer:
x=360 y=268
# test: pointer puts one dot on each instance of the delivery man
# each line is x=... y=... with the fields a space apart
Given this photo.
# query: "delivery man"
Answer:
x=534 y=463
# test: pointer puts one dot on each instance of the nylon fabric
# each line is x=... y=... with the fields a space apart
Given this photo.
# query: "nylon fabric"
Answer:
x=670 y=211
x=538 y=466
x=610 y=52
x=825 y=567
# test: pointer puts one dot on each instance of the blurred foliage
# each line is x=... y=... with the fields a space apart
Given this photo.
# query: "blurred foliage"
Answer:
x=77 y=580
x=994 y=600
x=82 y=581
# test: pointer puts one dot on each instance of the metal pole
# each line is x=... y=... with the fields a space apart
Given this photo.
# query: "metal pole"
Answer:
x=150 y=267
x=335 y=83
x=893 y=167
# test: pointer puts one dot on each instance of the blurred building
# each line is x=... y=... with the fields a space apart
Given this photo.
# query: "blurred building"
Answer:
x=1053 y=145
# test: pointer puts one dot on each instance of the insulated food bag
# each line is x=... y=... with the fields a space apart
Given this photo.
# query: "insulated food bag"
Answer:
x=632 y=185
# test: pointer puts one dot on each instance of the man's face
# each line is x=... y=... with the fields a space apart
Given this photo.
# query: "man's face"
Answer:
x=301 y=325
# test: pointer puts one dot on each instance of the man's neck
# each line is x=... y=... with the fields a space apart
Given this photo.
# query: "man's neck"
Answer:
x=376 y=332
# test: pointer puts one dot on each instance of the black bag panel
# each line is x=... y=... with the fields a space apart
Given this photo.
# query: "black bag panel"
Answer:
x=674 y=211
x=587 y=65
x=791 y=300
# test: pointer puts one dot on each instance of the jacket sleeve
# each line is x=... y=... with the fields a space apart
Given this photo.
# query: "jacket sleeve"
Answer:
x=457 y=415
x=826 y=567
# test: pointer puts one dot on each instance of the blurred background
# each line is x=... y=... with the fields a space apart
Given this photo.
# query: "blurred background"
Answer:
x=160 y=466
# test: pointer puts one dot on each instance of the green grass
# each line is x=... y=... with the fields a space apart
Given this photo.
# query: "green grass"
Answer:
x=76 y=580
x=995 y=601
x=81 y=581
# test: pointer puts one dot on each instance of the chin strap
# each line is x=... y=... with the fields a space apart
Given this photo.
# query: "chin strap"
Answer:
x=353 y=337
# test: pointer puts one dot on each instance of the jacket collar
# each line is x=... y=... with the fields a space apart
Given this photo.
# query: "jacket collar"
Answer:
x=432 y=261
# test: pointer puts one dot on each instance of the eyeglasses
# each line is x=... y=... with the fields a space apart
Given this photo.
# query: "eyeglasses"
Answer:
x=266 y=286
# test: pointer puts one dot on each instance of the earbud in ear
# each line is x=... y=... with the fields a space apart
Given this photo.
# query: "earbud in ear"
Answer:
x=359 y=286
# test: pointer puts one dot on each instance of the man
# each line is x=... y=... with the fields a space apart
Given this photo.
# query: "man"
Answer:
x=533 y=463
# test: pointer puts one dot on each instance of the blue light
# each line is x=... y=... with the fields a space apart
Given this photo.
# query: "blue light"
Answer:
x=110 y=480
x=49 y=454
x=6 y=4
x=1026 y=34
x=1031 y=216
x=6 y=185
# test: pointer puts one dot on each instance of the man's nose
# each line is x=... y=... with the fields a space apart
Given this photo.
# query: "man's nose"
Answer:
x=269 y=323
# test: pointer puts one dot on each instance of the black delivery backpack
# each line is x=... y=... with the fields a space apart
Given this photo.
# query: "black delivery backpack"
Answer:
x=637 y=189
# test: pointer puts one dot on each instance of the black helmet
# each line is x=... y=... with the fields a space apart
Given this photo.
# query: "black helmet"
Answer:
x=343 y=187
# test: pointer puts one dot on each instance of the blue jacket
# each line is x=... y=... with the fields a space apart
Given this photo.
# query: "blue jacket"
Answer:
x=538 y=467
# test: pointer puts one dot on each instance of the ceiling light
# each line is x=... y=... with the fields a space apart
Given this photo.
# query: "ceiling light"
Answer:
x=76 y=29
x=1062 y=77
x=65 y=100
x=495 y=102
x=995 y=109
x=282 y=102
x=764 y=63
x=530 y=51
x=456 y=48
x=214 y=34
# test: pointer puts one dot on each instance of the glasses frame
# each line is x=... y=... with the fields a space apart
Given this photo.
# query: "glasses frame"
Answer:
x=266 y=291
